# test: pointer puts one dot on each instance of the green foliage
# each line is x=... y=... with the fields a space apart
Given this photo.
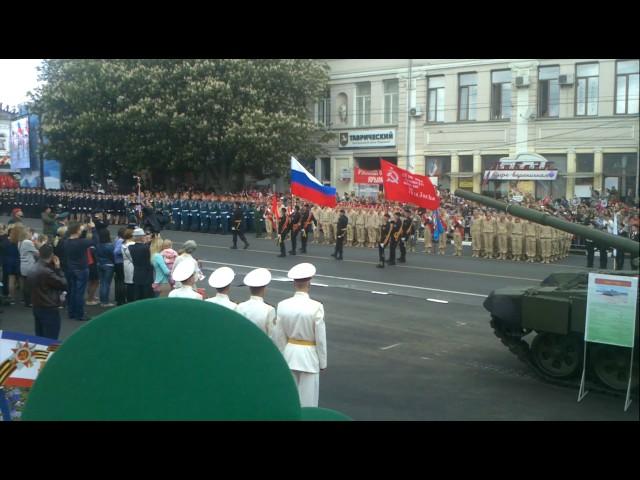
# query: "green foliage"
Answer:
x=221 y=118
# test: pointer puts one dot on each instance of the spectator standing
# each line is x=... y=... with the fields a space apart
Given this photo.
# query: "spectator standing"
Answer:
x=10 y=263
x=75 y=249
x=106 y=265
x=46 y=282
x=162 y=272
x=142 y=269
x=48 y=222
x=28 y=257
x=128 y=266
x=118 y=269
x=94 y=277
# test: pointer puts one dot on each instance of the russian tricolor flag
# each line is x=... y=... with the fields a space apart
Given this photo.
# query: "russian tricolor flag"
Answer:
x=306 y=186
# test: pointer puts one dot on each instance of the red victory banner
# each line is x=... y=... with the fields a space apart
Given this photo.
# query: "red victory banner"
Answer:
x=369 y=177
x=402 y=186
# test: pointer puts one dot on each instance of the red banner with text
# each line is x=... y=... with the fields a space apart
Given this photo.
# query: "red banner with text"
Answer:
x=367 y=177
x=402 y=186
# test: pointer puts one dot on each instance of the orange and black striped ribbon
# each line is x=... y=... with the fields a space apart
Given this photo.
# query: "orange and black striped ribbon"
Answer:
x=6 y=369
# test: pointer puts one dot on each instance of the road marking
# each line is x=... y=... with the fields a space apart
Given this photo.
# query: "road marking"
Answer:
x=414 y=267
x=461 y=324
x=358 y=280
x=391 y=346
x=436 y=300
x=319 y=284
x=425 y=358
x=380 y=293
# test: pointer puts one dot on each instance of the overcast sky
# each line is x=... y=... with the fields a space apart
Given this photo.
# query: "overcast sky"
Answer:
x=17 y=77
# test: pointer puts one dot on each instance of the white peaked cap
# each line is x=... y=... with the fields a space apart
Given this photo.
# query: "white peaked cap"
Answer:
x=302 y=271
x=257 y=278
x=185 y=270
x=222 y=277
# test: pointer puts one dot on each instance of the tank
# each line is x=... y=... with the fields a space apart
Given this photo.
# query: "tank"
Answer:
x=544 y=325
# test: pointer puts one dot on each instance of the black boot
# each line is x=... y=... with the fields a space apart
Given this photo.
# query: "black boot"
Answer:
x=246 y=245
x=391 y=263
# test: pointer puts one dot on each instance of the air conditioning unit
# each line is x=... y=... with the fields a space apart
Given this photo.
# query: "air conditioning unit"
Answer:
x=565 y=80
x=522 y=82
x=415 y=112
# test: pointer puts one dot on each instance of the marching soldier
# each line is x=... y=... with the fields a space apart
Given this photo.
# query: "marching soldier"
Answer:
x=350 y=234
x=308 y=222
x=502 y=230
x=268 y=223
x=316 y=212
x=205 y=215
x=488 y=232
x=385 y=236
x=341 y=231
x=458 y=234
x=360 y=221
x=476 y=234
x=546 y=239
x=334 y=226
x=428 y=232
x=530 y=235
x=327 y=218
x=371 y=222
x=396 y=231
x=413 y=238
x=517 y=232
x=237 y=227
x=283 y=229
x=442 y=241
x=296 y=224
x=406 y=231
x=300 y=335
x=260 y=221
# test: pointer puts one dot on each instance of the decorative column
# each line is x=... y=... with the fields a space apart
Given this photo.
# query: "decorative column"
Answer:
x=455 y=168
x=571 y=170
x=598 y=170
x=477 y=172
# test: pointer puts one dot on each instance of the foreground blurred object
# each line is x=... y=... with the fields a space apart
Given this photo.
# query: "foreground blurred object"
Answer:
x=168 y=359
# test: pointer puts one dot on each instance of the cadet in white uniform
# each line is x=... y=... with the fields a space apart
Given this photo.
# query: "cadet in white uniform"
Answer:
x=187 y=274
x=301 y=337
x=255 y=309
x=221 y=280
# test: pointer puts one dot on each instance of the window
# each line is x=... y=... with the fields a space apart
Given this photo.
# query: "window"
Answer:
x=466 y=163
x=468 y=96
x=323 y=111
x=620 y=171
x=584 y=162
x=548 y=92
x=391 y=101
x=363 y=104
x=501 y=95
x=435 y=99
x=325 y=169
x=587 y=89
x=439 y=166
x=627 y=86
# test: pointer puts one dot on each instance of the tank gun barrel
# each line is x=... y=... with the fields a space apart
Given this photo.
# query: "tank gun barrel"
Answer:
x=601 y=238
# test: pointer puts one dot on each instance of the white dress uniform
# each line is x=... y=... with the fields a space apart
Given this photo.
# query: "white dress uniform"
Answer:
x=222 y=299
x=222 y=278
x=260 y=313
x=255 y=309
x=187 y=269
x=301 y=337
x=185 y=292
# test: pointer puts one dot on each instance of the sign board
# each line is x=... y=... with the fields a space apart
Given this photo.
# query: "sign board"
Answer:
x=19 y=145
x=367 y=177
x=582 y=191
x=367 y=138
x=520 y=175
x=611 y=309
x=345 y=174
x=465 y=183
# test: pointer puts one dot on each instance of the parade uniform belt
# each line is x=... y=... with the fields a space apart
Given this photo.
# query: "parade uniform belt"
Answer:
x=306 y=343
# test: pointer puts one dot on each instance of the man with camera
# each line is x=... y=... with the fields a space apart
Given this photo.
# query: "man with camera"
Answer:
x=47 y=283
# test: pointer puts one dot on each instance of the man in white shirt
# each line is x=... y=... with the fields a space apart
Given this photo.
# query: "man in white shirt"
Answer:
x=256 y=309
x=221 y=280
x=187 y=274
x=300 y=335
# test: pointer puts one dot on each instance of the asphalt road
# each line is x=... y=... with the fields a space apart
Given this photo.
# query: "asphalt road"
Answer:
x=395 y=353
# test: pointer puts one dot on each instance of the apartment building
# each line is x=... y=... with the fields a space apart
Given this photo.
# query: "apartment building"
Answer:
x=454 y=119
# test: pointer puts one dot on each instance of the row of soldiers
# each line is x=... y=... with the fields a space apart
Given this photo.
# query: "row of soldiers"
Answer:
x=505 y=237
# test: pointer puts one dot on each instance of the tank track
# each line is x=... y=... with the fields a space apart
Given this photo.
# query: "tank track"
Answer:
x=521 y=349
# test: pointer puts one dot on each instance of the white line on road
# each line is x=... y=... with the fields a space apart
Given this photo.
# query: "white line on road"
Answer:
x=391 y=346
x=436 y=300
x=409 y=267
x=358 y=280
x=380 y=293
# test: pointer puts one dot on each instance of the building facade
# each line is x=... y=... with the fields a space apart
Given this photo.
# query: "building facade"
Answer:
x=454 y=119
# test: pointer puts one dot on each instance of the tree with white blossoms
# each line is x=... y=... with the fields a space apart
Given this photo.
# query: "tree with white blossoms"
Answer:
x=220 y=119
